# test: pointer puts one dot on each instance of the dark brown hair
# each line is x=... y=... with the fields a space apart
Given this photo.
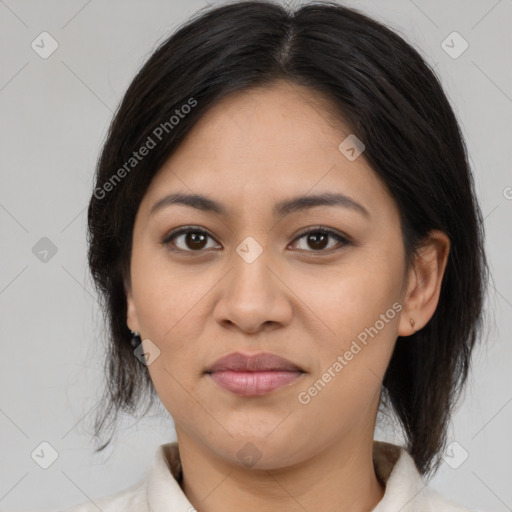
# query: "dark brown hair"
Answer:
x=392 y=101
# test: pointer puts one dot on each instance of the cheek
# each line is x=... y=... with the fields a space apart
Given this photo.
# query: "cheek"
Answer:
x=171 y=302
x=359 y=312
x=349 y=299
x=166 y=295
x=344 y=390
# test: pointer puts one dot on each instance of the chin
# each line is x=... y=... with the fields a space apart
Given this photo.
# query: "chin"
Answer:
x=262 y=453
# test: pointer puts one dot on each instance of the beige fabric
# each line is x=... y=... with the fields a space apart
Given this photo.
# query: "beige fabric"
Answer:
x=160 y=490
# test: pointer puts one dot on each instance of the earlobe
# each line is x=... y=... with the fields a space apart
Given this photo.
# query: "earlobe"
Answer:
x=131 y=312
x=424 y=284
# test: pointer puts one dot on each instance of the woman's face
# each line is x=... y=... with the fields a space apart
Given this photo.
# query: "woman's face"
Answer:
x=257 y=283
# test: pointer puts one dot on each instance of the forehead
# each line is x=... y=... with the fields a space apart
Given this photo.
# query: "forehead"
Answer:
x=270 y=142
x=276 y=120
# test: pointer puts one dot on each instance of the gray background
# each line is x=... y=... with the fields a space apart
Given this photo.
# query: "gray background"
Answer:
x=55 y=113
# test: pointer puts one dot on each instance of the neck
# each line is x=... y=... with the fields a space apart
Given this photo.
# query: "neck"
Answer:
x=341 y=477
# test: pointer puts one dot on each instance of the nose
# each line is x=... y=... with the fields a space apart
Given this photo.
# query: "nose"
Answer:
x=253 y=296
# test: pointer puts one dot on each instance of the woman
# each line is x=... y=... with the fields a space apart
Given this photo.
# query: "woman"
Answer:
x=285 y=234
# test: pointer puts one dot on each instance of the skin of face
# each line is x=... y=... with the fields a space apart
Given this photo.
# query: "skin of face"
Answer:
x=250 y=151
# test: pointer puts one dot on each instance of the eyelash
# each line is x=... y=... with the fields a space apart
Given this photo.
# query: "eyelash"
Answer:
x=316 y=229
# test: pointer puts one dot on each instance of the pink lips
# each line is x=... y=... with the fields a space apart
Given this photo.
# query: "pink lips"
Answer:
x=253 y=375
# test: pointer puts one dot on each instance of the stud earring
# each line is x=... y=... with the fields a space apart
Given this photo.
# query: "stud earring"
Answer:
x=413 y=323
x=135 y=340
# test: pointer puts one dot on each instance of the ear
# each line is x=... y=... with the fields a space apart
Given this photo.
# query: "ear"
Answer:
x=131 y=311
x=424 y=283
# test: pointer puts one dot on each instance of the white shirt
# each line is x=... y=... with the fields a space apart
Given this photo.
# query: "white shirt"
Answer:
x=159 y=490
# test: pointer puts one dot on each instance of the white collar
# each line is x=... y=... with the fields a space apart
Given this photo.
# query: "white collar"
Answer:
x=405 y=490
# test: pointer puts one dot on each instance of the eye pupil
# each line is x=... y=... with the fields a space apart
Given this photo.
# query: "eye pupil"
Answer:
x=315 y=238
x=195 y=240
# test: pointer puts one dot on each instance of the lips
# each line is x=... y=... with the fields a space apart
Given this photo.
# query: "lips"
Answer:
x=253 y=375
x=239 y=362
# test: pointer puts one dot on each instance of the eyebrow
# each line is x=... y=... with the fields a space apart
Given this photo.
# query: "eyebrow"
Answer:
x=281 y=209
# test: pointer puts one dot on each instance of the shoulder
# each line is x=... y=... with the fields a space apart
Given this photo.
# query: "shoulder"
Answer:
x=133 y=498
x=405 y=490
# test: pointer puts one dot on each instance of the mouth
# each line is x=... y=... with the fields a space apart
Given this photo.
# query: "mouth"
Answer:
x=253 y=375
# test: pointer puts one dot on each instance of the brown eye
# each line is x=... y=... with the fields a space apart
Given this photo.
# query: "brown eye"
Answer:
x=188 y=240
x=191 y=239
x=317 y=240
x=195 y=240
